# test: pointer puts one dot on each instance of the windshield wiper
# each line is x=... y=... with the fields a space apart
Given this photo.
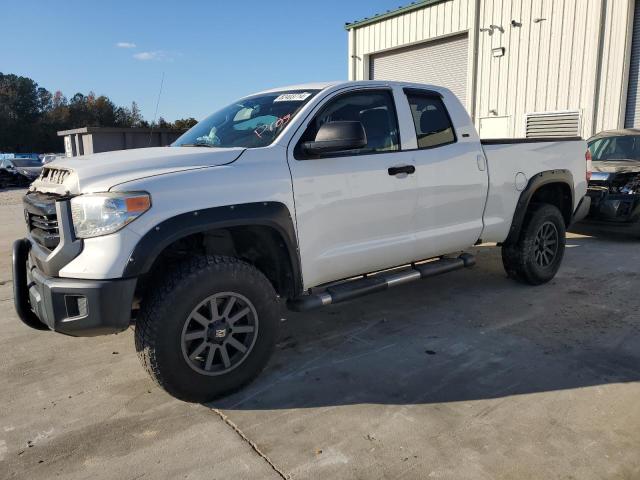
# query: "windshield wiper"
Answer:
x=197 y=145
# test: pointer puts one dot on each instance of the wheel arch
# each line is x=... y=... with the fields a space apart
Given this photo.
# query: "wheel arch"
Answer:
x=267 y=224
x=554 y=187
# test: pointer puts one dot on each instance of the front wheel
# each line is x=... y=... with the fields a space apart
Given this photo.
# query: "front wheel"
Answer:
x=536 y=256
x=208 y=329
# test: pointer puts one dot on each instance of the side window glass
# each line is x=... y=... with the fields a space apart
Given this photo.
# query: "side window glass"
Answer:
x=375 y=110
x=431 y=120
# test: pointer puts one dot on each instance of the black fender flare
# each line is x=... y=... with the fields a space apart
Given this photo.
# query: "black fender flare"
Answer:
x=535 y=183
x=275 y=215
x=21 y=288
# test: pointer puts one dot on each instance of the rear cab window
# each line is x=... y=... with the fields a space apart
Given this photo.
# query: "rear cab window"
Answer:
x=431 y=120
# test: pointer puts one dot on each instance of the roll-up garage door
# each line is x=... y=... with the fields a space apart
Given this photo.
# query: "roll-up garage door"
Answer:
x=632 y=119
x=440 y=62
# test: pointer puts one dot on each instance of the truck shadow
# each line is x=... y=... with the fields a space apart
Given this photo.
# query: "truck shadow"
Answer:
x=605 y=231
x=464 y=336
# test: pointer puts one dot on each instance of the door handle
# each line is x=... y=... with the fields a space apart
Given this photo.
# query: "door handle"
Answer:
x=408 y=169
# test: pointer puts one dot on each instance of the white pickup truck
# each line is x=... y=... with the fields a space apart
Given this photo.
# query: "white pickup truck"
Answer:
x=305 y=196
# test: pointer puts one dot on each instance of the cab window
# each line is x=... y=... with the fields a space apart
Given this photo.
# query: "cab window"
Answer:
x=374 y=109
x=431 y=120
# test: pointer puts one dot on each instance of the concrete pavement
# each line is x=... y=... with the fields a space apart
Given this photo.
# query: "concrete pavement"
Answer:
x=468 y=375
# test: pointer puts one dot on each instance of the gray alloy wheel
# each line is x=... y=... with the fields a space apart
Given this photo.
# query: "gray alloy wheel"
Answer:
x=219 y=333
x=537 y=254
x=546 y=244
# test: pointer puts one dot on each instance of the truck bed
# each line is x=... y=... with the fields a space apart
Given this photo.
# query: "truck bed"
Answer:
x=513 y=162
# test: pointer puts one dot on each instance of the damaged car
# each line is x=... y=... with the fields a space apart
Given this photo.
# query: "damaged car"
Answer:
x=614 y=186
x=29 y=167
x=18 y=172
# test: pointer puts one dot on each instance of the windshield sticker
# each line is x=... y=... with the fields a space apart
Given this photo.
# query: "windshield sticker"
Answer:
x=273 y=126
x=292 y=97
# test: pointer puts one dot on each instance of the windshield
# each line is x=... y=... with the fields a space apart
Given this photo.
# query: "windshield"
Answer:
x=26 y=162
x=252 y=122
x=615 y=148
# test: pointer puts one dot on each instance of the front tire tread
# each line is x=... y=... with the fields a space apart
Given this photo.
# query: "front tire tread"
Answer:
x=162 y=296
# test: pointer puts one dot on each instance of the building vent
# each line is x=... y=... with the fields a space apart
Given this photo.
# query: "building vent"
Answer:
x=553 y=124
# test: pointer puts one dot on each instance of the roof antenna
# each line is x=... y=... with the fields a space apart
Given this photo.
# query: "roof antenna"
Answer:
x=155 y=114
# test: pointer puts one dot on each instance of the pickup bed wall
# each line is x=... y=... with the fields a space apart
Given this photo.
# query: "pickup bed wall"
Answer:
x=511 y=165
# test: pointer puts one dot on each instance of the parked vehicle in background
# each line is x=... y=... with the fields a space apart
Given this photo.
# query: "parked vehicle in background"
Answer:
x=9 y=178
x=28 y=167
x=614 y=187
x=27 y=156
x=281 y=196
x=50 y=157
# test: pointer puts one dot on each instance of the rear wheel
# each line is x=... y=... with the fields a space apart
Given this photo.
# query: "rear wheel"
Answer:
x=208 y=329
x=536 y=256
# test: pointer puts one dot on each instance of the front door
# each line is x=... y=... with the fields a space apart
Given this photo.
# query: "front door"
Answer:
x=354 y=209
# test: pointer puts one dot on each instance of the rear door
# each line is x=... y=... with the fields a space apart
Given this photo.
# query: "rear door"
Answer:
x=452 y=179
x=353 y=210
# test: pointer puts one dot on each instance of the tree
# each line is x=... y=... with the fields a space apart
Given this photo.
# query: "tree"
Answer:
x=78 y=112
x=136 y=116
x=184 y=123
x=45 y=100
x=59 y=100
x=18 y=111
x=31 y=116
x=162 y=123
x=123 y=117
x=104 y=111
x=59 y=113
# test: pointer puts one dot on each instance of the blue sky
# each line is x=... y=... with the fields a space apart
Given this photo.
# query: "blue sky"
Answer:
x=211 y=51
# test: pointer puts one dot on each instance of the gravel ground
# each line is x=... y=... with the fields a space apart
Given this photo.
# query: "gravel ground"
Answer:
x=468 y=375
x=11 y=196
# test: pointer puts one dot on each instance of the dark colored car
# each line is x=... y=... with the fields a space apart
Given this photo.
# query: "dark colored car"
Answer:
x=614 y=187
x=12 y=179
x=27 y=167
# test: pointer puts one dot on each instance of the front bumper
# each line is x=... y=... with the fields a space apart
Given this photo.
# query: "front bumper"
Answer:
x=81 y=308
x=614 y=207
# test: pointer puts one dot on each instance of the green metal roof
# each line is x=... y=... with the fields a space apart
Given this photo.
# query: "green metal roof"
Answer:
x=391 y=13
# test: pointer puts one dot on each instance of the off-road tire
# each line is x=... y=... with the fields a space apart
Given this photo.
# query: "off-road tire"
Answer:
x=159 y=326
x=519 y=258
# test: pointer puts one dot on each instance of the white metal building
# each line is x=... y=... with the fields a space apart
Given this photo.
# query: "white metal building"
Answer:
x=521 y=67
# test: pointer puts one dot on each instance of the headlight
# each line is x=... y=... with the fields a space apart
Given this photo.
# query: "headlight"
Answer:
x=99 y=214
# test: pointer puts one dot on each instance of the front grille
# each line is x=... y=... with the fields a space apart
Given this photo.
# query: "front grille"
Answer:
x=44 y=230
x=54 y=175
x=42 y=219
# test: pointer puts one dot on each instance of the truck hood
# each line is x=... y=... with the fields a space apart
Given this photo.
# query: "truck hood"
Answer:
x=101 y=171
x=617 y=166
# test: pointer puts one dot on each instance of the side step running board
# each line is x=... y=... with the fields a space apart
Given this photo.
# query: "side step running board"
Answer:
x=377 y=283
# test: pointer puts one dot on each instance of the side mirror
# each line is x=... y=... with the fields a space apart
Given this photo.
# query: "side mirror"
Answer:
x=10 y=167
x=337 y=137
